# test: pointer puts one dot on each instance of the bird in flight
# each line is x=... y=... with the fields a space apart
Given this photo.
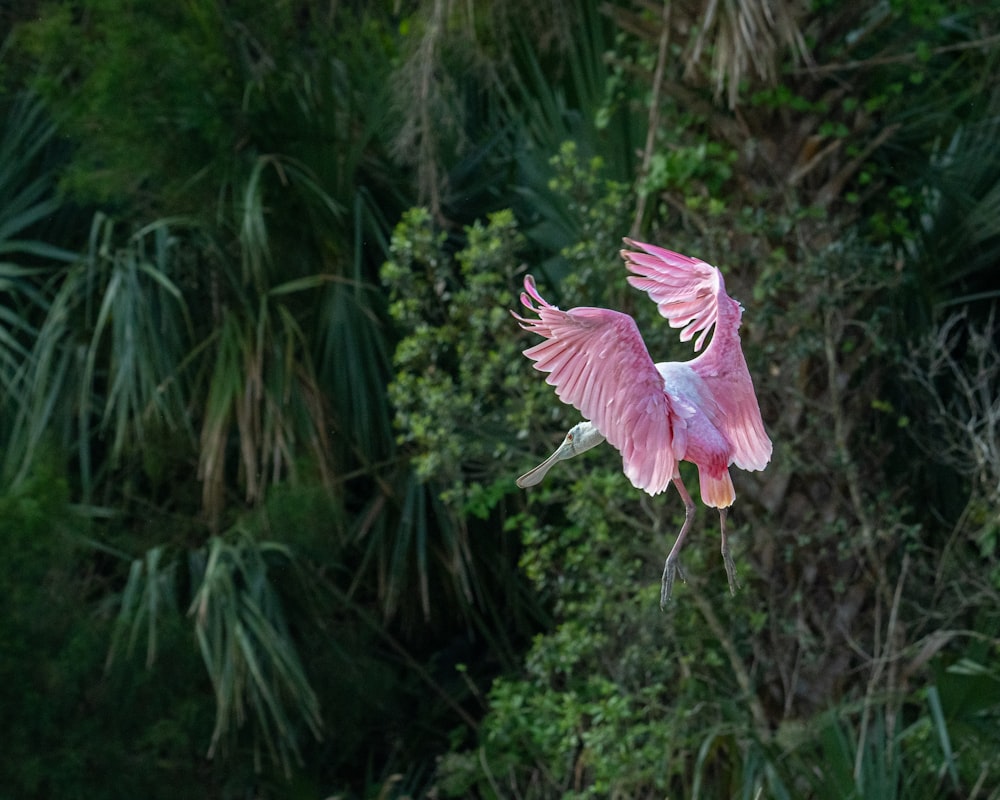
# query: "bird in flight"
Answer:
x=656 y=414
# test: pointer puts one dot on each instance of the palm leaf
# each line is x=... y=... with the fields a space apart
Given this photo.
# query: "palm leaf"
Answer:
x=353 y=363
x=247 y=647
x=149 y=593
x=744 y=40
x=263 y=385
x=140 y=333
x=27 y=200
x=547 y=113
x=27 y=179
x=44 y=386
x=960 y=230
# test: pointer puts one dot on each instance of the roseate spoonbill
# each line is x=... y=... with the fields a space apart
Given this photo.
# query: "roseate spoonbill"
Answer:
x=703 y=410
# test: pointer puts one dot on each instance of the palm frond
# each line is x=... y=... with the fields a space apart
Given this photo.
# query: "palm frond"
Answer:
x=45 y=386
x=140 y=333
x=252 y=211
x=248 y=649
x=263 y=388
x=959 y=231
x=150 y=591
x=744 y=38
x=353 y=361
x=407 y=540
x=27 y=202
x=120 y=299
x=27 y=179
x=580 y=107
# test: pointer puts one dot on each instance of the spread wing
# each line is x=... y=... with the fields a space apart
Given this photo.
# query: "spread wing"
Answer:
x=740 y=419
x=687 y=291
x=691 y=294
x=598 y=363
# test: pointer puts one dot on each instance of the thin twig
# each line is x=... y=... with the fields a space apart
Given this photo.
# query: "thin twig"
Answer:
x=735 y=662
x=891 y=661
x=654 y=115
x=488 y=772
x=846 y=66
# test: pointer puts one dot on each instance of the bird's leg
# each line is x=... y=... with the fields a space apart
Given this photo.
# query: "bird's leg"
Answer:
x=727 y=559
x=671 y=566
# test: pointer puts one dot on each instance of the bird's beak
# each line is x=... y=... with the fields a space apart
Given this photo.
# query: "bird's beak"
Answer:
x=535 y=476
x=581 y=437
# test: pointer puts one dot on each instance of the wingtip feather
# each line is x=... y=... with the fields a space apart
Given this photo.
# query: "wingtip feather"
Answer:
x=531 y=290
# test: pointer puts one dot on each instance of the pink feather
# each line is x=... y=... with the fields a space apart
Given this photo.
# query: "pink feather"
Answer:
x=704 y=410
x=692 y=292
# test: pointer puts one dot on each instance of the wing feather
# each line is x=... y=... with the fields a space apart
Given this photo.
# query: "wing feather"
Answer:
x=691 y=294
x=740 y=418
x=686 y=290
x=597 y=362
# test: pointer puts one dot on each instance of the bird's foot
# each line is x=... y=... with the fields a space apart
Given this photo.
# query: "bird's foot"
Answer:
x=671 y=568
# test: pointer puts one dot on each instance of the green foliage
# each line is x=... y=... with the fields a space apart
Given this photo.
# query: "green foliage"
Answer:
x=456 y=360
x=932 y=745
x=245 y=642
x=452 y=372
x=184 y=98
x=269 y=615
x=33 y=537
x=218 y=390
x=922 y=175
x=244 y=114
x=598 y=206
x=74 y=730
x=463 y=394
x=28 y=164
x=574 y=98
x=829 y=313
x=29 y=158
x=219 y=86
x=188 y=367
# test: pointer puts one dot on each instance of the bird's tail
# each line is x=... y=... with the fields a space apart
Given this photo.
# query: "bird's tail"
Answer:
x=716 y=492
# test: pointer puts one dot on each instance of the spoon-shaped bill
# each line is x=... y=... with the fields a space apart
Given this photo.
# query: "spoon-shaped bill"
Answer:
x=581 y=437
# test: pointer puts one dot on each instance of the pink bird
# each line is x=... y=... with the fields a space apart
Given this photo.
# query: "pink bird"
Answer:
x=704 y=410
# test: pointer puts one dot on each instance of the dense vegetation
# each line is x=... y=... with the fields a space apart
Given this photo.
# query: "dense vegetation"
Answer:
x=262 y=402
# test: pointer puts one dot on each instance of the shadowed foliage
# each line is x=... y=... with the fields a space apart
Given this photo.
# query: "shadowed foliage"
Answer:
x=260 y=419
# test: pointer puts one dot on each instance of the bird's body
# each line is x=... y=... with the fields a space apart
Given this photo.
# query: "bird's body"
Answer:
x=656 y=414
